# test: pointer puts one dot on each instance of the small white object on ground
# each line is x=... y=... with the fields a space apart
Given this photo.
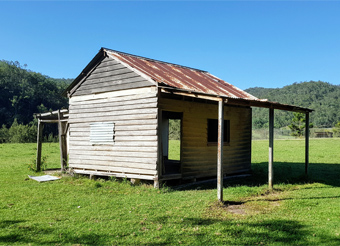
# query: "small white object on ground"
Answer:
x=43 y=178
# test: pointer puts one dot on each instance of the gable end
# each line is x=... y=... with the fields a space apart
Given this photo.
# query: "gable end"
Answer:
x=110 y=75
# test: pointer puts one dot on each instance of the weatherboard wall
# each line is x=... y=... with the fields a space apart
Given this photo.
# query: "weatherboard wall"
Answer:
x=198 y=158
x=114 y=94
x=110 y=75
x=133 y=153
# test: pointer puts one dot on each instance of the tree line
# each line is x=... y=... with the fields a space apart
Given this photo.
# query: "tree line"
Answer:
x=23 y=93
x=323 y=97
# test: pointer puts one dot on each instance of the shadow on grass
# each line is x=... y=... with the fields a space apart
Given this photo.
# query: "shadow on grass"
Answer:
x=19 y=232
x=7 y=223
x=284 y=173
x=288 y=232
x=89 y=239
x=294 y=173
x=193 y=231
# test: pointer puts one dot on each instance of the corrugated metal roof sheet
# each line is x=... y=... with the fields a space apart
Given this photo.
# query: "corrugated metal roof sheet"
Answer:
x=181 y=77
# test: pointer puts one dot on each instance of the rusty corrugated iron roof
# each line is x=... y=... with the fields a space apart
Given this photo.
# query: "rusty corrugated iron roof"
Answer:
x=181 y=77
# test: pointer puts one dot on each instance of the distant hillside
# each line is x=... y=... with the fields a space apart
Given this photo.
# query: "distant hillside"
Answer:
x=323 y=97
x=24 y=92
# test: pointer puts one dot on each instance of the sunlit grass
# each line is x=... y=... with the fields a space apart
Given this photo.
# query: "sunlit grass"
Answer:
x=300 y=211
x=174 y=149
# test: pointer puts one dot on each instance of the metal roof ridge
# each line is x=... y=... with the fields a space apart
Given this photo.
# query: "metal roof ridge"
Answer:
x=154 y=60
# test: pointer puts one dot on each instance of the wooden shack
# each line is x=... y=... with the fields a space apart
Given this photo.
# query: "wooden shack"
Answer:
x=119 y=111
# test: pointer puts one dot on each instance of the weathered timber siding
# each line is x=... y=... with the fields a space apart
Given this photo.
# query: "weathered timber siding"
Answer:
x=199 y=159
x=134 y=151
x=111 y=75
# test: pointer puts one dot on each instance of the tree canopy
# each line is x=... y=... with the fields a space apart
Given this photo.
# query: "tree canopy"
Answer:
x=24 y=93
x=321 y=96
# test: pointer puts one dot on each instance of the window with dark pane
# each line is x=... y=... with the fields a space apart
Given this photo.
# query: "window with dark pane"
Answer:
x=213 y=131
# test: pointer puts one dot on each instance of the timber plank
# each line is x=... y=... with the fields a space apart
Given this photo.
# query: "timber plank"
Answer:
x=108 y=155
x=114 y=118
x=116 y=159
x=116 y=169
x=108 y=62
x=117 y=103
x=118 y=138
x=135 y=143
x=110 y=73
x=113 y=81
x=118 y=128
x=116 y=164
x=127 y=123
x=116 y=108
x=130 y=112
x=124 y=74
x=105 y=67
x=131 y=76
x=113 y=87
x=114 y=148
x=212 y=164
x=113 y=99
x=116 y=174
x=120 y=133
x=114 y=94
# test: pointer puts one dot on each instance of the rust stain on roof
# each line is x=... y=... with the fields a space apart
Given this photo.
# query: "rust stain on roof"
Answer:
x=181 y=77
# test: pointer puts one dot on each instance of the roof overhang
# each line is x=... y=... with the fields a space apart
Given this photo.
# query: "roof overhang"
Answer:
x=261 y=103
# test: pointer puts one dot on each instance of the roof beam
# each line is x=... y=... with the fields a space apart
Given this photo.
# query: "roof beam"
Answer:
x=236 y=101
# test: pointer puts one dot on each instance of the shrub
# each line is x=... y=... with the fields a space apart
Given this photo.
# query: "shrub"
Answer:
x=4 y=135
x=19 y=133
x=336 y=130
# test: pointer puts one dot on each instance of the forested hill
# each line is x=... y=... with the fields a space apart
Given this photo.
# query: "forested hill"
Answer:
x=24 y=93
x=323 y=97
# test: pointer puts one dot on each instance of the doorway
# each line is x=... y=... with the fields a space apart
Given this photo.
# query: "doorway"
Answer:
x=171 y=142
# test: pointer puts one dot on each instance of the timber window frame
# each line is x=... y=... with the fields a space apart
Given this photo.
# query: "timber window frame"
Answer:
x=212 y=132
x=102 y=133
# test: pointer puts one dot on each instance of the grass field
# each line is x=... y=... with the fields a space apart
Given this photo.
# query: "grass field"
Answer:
x=300 y=210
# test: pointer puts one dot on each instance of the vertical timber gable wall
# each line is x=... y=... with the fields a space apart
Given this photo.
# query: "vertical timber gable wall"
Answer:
x=114 y=94
x=200 y=159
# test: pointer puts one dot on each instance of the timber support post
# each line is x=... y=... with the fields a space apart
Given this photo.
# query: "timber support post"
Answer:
x=160 y=163
x=220 y=150
x=307 y=143
x=39 y=144
x=62 y=143
x=271 y=149
x=156 y=184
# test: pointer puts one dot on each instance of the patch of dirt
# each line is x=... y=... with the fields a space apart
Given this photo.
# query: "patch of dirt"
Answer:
x=264 y=203
x=225 y=210
x=236 y=209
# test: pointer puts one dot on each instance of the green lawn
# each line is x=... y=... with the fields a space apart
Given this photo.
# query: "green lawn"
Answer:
x=300 y=210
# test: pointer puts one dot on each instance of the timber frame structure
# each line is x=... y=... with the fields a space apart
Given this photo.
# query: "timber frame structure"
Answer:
x=61 y=118
x=120 y=105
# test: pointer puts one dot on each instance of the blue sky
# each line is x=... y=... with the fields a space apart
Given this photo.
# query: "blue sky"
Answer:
x=247 y=43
